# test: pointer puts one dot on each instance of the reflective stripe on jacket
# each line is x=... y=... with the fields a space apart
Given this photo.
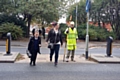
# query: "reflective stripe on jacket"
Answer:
x=71 y=38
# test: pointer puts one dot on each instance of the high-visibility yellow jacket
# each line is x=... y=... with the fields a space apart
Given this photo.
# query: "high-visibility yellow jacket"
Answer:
x=71 y=38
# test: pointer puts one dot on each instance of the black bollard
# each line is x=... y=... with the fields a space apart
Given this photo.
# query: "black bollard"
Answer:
x=8 y=44
x=109 y=46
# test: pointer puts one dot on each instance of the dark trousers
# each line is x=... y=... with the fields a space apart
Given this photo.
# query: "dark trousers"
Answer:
x=43 y=36
x=56 y=51
x=33 y=57
x=72 y=54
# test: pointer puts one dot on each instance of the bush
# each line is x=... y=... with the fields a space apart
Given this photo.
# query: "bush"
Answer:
x=95 y=33
x=102 y=35
x=81 y=31
x=63 y=28
x=92 y=34
x=16 y=31
x=5 y=18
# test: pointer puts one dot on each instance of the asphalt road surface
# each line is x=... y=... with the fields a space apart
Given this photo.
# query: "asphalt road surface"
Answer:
x=44 y=50
x=64 y=71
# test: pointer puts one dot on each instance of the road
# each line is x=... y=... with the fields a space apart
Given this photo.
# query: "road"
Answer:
x=44 y=50
x=64 y=71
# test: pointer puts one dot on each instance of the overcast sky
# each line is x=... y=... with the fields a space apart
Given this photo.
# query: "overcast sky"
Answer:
x=63 y=19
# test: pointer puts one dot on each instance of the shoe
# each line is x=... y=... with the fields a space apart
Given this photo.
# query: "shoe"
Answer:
x=55 y=64
x=31 y=63
x=72 y=60
x=67 y=60
x=50 y=60
x=34 y=64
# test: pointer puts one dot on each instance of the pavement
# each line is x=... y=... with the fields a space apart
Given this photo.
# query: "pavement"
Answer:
x=45 y=57
x=11 y=58
x=100 y=58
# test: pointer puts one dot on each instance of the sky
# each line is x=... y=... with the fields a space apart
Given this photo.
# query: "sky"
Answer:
x=63 y=18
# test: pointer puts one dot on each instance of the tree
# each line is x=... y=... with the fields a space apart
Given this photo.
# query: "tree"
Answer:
x=45 y=10
x=4 y=18
x=107 y=11
x=80 y=11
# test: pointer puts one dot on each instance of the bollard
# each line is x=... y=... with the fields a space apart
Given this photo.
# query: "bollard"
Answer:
x=109 y=46
x=8 y=44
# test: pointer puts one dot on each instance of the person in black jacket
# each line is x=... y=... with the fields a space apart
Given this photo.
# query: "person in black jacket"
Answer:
x=55 y=37
x=33 y=47
x=43 y=32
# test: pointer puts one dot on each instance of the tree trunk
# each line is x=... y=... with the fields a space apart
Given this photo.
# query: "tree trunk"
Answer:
x=103 y=25
x=28 y=29
x=99 y=24
x=117 y=23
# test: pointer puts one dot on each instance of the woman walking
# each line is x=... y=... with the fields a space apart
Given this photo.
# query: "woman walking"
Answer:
x=33 y=47
x=54 y=38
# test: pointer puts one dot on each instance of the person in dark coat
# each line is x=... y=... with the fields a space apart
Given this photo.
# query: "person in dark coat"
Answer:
x=55 y=37
x=43 y=32
x=33 y=32
x=34 y=47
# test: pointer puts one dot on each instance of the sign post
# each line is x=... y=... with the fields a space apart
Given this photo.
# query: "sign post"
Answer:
x=87 y=31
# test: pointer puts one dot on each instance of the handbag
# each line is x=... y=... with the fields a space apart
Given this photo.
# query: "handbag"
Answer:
x=28 y=53
x=51 y=45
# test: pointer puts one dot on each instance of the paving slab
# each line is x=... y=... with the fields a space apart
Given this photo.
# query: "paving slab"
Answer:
x=43 y=58
x=101 y=58
x=4 y=58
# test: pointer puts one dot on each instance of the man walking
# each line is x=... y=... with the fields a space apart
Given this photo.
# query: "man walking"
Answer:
x=71 y=34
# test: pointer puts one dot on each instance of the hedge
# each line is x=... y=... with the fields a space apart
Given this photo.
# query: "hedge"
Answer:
x=16 y=31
